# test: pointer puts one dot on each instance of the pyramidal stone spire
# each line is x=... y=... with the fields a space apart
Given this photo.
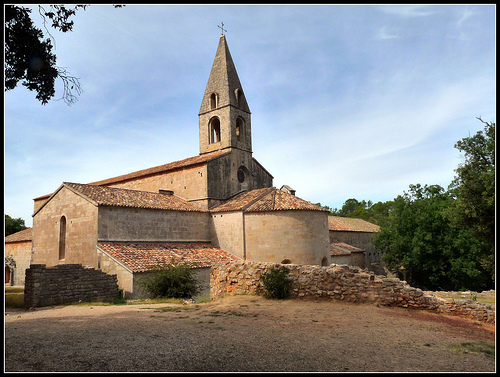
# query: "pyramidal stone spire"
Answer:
x=224 y=81
x=224 y=117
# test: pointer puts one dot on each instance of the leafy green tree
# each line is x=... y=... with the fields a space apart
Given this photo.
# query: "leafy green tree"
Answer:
x=353 y=206
x=376 y=213
x=420 y=238
x=474 y=189
x=13 y=225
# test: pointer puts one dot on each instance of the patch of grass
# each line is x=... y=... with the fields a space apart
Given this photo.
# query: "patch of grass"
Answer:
x=488 y=348
x=203 y=299
x=14 y=297
x=156 y=301
x=217 y=313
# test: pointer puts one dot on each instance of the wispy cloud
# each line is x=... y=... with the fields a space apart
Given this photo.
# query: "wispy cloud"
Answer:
x=409 y=10
x=383 y=34
x=347 y=101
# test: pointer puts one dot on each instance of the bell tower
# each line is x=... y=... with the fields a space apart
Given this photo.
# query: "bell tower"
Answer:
x=224 y=117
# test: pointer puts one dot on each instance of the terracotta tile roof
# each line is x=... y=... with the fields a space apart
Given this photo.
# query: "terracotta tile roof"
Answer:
x=140 y=257
x=241 y=201
x=341 y=248
x=264 y=200
x=111 y=196
x=200 y=159
x=22 y=235
x=351 y=224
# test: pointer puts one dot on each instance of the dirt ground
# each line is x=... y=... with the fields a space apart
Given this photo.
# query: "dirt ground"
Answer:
x=242 y=333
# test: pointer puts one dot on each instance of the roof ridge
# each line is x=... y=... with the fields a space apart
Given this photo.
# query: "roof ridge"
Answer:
x=198 y=159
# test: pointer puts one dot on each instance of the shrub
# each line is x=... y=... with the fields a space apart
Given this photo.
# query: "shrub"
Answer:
x=172 y=281
x=277 y=283
x=119 y=299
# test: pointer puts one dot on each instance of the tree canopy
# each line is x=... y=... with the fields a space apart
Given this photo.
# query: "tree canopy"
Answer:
x=13 y=225
x=443 y=239
x=420 y=238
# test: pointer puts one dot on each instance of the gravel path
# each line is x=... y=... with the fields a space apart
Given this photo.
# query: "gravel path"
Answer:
x=241 y=333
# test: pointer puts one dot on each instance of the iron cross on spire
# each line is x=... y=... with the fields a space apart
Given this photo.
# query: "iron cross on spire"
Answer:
x=222 y=28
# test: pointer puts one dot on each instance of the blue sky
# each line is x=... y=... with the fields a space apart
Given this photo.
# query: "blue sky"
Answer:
x=353 y=101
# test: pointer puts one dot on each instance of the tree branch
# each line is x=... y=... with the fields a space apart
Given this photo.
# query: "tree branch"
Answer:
x=70 y=84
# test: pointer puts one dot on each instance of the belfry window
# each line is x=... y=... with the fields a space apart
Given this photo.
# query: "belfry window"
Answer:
x=214 y=99
x=214 y=130
x=62 y=238
x=239 y=129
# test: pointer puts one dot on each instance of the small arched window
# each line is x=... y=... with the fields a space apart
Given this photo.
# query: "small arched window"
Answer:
x=62 y=238
x=214 y=130
x=238 y=93
x=214 y=99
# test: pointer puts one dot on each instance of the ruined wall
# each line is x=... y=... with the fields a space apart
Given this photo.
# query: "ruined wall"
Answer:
x=112 y=266
x=45 y=286
x=340 y=282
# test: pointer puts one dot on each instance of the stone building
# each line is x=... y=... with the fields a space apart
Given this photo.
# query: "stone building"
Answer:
x=351 y=242
x=217 y=206
x=17 y=254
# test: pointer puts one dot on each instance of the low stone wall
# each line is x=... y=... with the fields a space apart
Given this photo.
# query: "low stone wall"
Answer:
x=340 y=282
x=66 y=283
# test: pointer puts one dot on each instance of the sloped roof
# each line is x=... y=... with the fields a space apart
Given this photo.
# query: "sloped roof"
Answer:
x=140 y=257
x=351 y=224
x=22 y=235
x=264 y=200
x=341 y=248
x=200 y=159
x=187 y=162
x=110 y=196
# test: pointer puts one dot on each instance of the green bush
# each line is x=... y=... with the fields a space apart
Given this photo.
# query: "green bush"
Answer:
x=277 y=283
x=172 y=281
x=119 y=299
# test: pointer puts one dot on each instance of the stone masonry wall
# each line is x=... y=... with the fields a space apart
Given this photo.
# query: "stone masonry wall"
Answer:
x=340 y=282
x=65 y=283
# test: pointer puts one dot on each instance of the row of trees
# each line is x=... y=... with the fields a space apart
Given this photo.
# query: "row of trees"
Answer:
x=443 y=238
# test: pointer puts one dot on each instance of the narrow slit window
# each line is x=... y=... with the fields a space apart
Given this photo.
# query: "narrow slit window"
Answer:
x=62 y=238
x=214 y=99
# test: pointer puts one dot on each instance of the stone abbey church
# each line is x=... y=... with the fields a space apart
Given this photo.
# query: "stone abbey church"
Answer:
x=215 y=207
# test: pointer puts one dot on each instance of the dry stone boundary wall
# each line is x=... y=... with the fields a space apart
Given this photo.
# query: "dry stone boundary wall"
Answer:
x=341 y=282
x=66 y=283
